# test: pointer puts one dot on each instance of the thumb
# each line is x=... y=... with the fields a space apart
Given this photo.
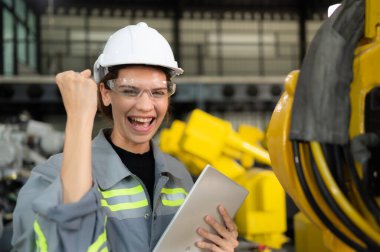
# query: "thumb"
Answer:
x=86 y=73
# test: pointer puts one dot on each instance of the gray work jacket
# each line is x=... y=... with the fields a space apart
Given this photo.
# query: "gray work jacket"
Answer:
x=115 y=215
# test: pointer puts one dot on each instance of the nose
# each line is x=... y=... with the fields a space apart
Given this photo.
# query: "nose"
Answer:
x=144 y=102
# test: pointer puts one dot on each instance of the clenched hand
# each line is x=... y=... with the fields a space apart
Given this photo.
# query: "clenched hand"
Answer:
x=79 y=94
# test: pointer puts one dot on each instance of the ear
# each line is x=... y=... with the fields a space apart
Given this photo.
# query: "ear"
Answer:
x=106 y=96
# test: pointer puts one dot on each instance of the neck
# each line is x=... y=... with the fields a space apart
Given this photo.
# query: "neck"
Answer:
x=137 y=148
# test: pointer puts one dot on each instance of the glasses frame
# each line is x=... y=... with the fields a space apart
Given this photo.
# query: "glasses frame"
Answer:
x=170 y=87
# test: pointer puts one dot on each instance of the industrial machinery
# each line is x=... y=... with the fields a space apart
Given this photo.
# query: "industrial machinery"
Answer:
x=24 y=143
x=323 y=137
x=205 y=139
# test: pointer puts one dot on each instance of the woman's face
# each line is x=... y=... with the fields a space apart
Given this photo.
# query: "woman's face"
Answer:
x=136 y=119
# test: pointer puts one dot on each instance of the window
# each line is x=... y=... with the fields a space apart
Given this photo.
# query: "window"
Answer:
x=8 y=3
x=31 y=21
x=20 y=9
x=21 y=43
x=32 y=51
x=8 y=42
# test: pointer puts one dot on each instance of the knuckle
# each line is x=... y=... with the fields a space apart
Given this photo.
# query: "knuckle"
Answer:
x=58 y=78
x=72 y=75
x=235 y=243
x=212 y=221
x=236 y=233
x=206 y=234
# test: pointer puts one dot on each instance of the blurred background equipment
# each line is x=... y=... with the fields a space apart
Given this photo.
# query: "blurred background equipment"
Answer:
x=206 y=139
x=323 y=137
x=24 y=143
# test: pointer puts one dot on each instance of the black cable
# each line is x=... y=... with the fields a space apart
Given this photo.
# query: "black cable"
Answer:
x=365 y=194
x=330 y=159
x=340 y=167
x=329 y=200
x=314 y=205
x=333 y=159
x=366 y=179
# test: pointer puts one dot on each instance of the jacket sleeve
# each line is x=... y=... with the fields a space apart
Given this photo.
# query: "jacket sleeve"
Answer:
x=41 y=222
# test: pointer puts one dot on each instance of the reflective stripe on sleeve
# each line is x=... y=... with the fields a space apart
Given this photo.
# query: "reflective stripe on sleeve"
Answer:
x=102 y=239
x=41 y=243
x=104 y=249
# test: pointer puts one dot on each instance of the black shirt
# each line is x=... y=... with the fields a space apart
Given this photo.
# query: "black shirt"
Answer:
x=141 y=165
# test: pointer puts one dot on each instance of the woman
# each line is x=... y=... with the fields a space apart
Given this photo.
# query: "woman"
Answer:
x=118 y=192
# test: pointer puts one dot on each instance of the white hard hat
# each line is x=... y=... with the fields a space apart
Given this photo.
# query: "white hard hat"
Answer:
x=136 y=44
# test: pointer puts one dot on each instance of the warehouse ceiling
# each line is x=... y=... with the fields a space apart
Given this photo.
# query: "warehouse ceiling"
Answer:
x=291 y=7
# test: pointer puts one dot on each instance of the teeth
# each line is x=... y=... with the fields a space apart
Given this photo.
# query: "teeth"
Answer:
x=142 y=120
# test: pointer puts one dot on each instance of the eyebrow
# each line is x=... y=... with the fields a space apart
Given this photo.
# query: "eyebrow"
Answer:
x=159 y=88
x=134 y=87
x=129 y=86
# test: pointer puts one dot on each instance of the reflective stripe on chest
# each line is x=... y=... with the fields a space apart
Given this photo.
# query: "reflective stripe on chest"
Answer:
x=173 y=197
x=126 y=200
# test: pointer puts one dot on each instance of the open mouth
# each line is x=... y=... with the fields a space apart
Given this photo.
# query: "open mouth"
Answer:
x=141 y=121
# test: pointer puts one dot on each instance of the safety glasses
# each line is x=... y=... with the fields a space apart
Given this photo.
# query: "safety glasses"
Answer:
x=130 y=88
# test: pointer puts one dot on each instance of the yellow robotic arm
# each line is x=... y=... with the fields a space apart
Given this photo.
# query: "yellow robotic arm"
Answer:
x=325 y=181
x=205 y=139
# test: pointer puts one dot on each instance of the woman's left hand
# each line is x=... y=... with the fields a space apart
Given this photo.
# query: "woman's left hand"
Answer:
x=226 y=235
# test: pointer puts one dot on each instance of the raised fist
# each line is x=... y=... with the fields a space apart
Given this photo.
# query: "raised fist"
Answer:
x=79 y=94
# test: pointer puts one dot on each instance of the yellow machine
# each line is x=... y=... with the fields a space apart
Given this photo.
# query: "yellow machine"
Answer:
x=206 y=139
x=307 y=236
x=335 y=190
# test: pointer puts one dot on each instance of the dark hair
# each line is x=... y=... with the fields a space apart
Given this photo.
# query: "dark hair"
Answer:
x=113 y=73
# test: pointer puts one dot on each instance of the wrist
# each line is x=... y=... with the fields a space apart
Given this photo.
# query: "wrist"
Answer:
x=80 y=121
x=79 y=126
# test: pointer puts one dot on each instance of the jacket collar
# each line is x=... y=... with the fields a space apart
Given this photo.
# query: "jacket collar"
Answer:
x=108 y=169
x=164 y=165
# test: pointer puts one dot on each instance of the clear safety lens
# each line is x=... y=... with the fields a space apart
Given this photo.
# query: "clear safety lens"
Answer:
x=130 y=88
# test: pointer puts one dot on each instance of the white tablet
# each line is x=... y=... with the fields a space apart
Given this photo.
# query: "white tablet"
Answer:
x=211 y=189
